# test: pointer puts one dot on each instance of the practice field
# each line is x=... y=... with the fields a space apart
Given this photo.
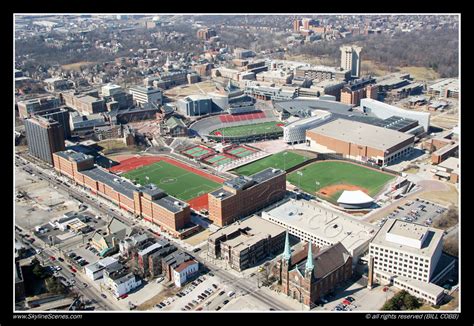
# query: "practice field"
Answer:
x=283 y=160
x=249 y=130
x=175 y=181
x=331 y=178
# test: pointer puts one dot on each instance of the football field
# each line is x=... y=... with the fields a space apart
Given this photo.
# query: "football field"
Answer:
x=283 y=160
x=175 y=181
x=249 y=130
x=337 y=176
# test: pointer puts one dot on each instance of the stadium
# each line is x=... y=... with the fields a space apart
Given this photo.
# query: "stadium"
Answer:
x=239 y=128
x=329 y=179
x=175 y=178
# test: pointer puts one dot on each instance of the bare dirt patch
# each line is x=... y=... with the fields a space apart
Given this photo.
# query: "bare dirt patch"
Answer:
x=166 y=293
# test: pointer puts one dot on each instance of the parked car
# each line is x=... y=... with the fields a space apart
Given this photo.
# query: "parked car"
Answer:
x=221 y=293
x=103 y=296
x=231 y=293
x=159 y=279
x=225 y=302
x=199 y=309
x=60 y=259
x=196 y=249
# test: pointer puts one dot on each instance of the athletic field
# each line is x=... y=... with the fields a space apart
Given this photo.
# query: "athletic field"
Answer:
x=282 y=160
x=331 y=178
x=175 y=181
x=249 y=130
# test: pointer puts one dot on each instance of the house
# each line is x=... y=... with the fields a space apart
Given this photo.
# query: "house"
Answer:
x=184 y=271
x=121 y=282
x=96 y=270
x=116 y=231
x=175 y=127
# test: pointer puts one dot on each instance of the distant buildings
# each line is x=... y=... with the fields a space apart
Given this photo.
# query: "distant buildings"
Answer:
x=142 y=95
x=359 y=89
x=446 y=88
x=206 y=33
x=29 y=107
x=45 y=137
x=194 y=105
x=319 y=73
x=351 y=60
x=57 y=84
x=240 y=53
x=86 y=103
x=243 y=244
x=244 y=195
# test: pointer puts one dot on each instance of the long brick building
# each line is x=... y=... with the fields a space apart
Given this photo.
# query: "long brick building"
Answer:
x=361 y=141
x=244 y=195
x=149 y=202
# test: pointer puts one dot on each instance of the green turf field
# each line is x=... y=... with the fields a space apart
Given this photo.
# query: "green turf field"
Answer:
x=330 y=173
x=248 y=130
x=174 y=180
x=278 y=161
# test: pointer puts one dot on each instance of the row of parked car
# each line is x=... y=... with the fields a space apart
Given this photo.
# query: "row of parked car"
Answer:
x=346 y=305
x=77 y=259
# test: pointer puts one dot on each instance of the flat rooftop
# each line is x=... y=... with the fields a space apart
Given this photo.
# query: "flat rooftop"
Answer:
x=252 y=229
x=411 y=231
x=74 y=156
x=362 y=134
x=115 y=182
x=451 y=163
x=323 y=222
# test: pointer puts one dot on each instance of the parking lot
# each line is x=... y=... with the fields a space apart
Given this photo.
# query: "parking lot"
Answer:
x=418 y=211
x=356 y=296
x=193 y=296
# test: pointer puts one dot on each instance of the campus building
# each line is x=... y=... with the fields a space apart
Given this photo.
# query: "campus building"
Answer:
x=406 y=255
x=362 y=142
x=44 y=137
x=31 y=106
x=149 y=201
x=243 y=244
x=295 y=132
x=194 y=105
x=322 y=226
x=359 y=89
x=142 y=95
x=244 y=195
x=350 y=59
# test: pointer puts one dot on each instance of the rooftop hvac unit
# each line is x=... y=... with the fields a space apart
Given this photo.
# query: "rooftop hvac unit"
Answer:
x=177 y=203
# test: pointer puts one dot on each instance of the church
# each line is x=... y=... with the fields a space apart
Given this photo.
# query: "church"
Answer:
x=309 y=273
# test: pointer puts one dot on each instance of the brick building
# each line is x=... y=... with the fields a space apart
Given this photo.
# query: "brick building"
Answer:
x=44 y=137
x=359 y=89
x=308 y=274
x=246 y=243
x=361 y=141
x=245 y=195
x=149 y=201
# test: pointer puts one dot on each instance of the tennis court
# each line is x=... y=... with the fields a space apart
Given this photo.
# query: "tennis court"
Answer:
x=240 y=151
x=197 y=152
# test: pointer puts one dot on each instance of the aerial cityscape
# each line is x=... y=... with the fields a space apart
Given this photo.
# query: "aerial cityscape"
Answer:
x=236 y=163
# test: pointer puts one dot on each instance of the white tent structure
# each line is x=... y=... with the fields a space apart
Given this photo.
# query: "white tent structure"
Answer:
x=355 y=199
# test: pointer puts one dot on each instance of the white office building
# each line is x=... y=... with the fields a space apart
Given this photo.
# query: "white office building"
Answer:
x=111 y=89
x=295 y=132
x=323 y=226
x=147 y=94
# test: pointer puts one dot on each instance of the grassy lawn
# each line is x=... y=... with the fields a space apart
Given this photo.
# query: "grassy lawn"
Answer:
x=174 y=180
x=277 y=161
x=247 y=130
x=329 y=173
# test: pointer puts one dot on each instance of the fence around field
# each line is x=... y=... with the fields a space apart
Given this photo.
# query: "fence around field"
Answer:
x=247 y=138
x=340 y=157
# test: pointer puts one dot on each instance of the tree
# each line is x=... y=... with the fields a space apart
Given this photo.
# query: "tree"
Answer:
x=54 y=286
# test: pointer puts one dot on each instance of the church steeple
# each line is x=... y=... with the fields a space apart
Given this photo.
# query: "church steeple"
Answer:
x=287 y=251
x=309 y=261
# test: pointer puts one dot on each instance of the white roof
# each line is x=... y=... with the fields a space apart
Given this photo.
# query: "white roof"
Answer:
x=354 y=197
